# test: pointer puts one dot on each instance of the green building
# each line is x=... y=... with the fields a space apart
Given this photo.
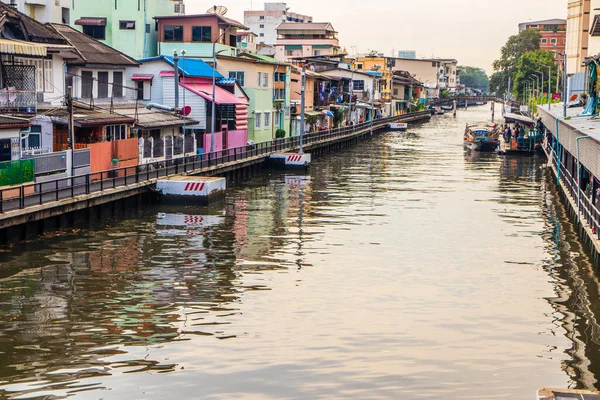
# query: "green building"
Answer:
x=126 y=25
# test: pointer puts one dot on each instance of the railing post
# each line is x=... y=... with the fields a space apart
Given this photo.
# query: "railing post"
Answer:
x=72 y=187
x=21 y=197
x=56 y=189
x=87 y=184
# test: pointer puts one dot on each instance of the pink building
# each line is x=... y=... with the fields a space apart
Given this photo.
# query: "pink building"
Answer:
x=306 y=40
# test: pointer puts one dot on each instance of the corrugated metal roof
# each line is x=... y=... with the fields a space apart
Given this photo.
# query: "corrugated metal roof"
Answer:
x=152 y=119
x=34 y=31
x=94 y=21
x=190 y=67
x=11 y=46
x=142 y=77
x=305 y=26
x=90 y=50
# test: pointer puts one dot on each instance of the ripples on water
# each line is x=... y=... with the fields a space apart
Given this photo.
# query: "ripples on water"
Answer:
x=400 y=268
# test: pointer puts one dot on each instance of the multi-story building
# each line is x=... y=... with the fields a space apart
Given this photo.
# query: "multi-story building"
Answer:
x=265 y=22
x=448 y=74
x=553 y=31
x=594 y=23
x=296 y=39
x=44 y=11
x=196 y=34
x=424 y=70
x=266 y=81
x=377 y=63
x=127 y=26
x=578 y=28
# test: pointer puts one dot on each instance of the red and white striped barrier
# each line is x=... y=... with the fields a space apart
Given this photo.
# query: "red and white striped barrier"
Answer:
x=293 y=159
x=195 y=186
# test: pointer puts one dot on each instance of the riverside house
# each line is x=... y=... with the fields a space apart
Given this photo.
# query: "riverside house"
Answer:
x=266 y=82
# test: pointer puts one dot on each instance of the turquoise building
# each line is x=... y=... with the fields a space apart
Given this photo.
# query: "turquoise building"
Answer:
x=126 y=25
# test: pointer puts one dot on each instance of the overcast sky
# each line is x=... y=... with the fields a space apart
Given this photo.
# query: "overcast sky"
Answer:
x=472 y=31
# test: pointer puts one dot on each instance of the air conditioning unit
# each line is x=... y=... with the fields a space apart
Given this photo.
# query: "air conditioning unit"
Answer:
x=179 y=8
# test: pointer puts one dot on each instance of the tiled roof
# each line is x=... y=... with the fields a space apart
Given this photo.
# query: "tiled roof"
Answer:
x=92 y=51
x=263 y=58
x=34 y=31
x=190 y=67
x=13 y=122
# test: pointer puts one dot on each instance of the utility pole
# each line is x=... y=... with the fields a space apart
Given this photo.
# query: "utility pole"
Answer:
x=373 y=104
x=176 y=78
x=302 y=106
x=71 y=126
x=351 y=93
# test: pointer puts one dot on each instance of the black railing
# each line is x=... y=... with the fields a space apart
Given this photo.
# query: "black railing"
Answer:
x=587 y=210
x=28 y=195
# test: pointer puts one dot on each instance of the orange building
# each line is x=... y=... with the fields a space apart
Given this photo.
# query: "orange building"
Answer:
x=553 y=31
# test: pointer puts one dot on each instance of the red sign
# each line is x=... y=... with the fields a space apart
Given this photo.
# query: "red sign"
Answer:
x=185 y=111
x=555 y=96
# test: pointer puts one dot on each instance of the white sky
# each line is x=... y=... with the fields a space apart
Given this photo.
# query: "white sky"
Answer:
x=472 y=31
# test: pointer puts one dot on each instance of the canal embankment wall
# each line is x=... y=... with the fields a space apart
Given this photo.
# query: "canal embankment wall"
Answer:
x=29 y=213
x=572 y=146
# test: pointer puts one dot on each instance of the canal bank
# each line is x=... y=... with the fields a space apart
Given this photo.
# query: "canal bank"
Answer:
x=55 y=198
x=572 y=147
x=401 y=268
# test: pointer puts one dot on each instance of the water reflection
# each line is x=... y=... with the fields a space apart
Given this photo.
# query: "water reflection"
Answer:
x=404 y=267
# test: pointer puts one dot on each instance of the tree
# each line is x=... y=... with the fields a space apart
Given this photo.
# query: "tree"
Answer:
x=528 y=66
x=444 y=94
x=473 y=77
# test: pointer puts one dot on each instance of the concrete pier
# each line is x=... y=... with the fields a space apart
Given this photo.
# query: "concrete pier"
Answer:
x=292 y=159
x=203 y=189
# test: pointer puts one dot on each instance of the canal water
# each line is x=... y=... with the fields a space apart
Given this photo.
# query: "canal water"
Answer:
x=402 y=267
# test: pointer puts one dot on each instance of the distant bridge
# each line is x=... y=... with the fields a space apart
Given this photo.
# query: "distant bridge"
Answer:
x=461 y=101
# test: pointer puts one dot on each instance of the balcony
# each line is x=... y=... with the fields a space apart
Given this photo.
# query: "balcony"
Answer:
x=17 y=89
x=308 y=42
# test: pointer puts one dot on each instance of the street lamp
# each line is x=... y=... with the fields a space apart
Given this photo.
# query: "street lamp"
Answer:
x=549 y=76
x=564 y=89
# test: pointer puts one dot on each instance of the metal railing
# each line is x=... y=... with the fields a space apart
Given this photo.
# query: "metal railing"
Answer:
x=20 y=197
x=589 y=212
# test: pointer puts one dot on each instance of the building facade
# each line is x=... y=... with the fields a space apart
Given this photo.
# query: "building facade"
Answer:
x=44 y=11
x=553 y=31
x=425 y=71
x=411 y=54
x=578 y=26
x=448 y=74
x=246 y=42
x=306 y=40
x=265 y=22
x=196 y=34
x=127 y=26
x=266 y=81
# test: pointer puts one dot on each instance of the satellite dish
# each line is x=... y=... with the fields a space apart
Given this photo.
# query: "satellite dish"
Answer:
x=219 y=10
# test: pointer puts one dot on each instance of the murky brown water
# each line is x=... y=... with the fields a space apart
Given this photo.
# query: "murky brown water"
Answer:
x=401 y=268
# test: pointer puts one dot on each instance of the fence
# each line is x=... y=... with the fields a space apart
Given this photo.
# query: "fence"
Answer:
x=40 y=193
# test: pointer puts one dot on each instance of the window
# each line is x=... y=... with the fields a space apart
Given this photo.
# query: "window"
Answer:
x=277 y=118
x=43 y=73
x=262 y=26
x=358 y=85
x=266 y=80
x=87 y=84
x=267 y=119
x=97 y=32
x=317 y=52
x=262 y=35
x=544 y=41
x=173 y=33
x=147 y=28
x=359 y=66
x=116 y=132
x=140 y=90
x=102 y=85
x=395 y=92
x=259 y=79
x=129 y=25
x=117 y=84
x=564 y=41
x=553 y=41
x=202 y=34
x=533 y=26
x=258 y=117
x=33 y=139
x=238 y=76
x=289 y=53
x=262 y=17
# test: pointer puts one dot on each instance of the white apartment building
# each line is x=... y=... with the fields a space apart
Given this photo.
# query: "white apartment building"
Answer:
x=265 y=22
x=52 y=11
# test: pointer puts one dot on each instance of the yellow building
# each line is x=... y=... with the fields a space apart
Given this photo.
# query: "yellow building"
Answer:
x=379 y=64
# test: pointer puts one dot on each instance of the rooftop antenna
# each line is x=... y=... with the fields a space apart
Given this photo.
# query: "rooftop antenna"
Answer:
x=219 y=10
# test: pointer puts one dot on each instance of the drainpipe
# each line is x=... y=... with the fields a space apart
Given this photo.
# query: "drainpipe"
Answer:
x=579 y=176
x=176 y=78
x=145 y=33
x=557 y=155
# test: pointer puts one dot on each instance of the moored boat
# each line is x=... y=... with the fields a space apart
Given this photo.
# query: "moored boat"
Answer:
x=447 y=108
x=481 y=138
x=525 y=137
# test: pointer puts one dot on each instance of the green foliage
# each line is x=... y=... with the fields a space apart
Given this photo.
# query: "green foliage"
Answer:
x=444 y=94
x=17 y=172
x=510 y=54
x=474 y=78
x=338 y=117
x=279 y=133
x=527 y=67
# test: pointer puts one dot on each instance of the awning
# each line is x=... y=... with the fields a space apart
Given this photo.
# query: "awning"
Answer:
x=11 y=46
x=222 y=96
x=166 y=73
x=520 y=118
x=142 y=77
x=94 y=21
x=293 y=47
